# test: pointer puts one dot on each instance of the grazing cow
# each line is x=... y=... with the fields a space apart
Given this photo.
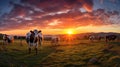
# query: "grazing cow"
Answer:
x=54 y=40
x=111 y=38
x=91 y=38
x=8 y=39
x=32 y=40
x=100 y=38
x=95 y=38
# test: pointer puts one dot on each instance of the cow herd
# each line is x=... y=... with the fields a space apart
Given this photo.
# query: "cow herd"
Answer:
x=107 y=38
x=34 y=39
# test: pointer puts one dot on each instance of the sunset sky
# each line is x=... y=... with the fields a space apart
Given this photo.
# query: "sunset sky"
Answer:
x=17 y=17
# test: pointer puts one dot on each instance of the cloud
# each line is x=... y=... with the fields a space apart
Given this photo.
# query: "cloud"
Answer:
x=56 y=14
x=88 y=5
x=57 y=5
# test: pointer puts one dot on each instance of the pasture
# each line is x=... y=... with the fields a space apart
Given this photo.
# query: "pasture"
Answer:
x=76 y=53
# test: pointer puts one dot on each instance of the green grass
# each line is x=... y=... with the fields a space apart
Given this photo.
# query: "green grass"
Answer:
x=77 y=53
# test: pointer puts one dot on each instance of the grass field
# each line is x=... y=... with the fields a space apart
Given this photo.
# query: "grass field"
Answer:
x=80 y=53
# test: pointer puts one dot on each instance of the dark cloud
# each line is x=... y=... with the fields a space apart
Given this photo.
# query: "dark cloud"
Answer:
x=56 y=5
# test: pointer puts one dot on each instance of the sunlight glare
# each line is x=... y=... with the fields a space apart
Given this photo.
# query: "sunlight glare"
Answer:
x=70 y=31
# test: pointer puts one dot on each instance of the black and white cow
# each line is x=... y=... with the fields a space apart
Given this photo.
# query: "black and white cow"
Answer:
x=32 y=39
x=8 y=39
x=111 y=38
x=91 y=38
x=95 y=38
x=54 y=40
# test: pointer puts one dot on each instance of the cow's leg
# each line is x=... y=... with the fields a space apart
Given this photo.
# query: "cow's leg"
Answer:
x=29 y=48
x=4 y=42
x=7 y=42
x=40 y=41
x=107 y=40
x=36 y=48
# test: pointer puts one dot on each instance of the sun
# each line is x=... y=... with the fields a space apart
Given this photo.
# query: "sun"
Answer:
x=70 y=31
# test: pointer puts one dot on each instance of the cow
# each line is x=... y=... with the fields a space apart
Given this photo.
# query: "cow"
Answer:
x=40 y=37
x=54 y=40
x=99 y=38
x=91 y=38
x=32 y=40
x=8 y=39
x=95 y=38
x=111 y=38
